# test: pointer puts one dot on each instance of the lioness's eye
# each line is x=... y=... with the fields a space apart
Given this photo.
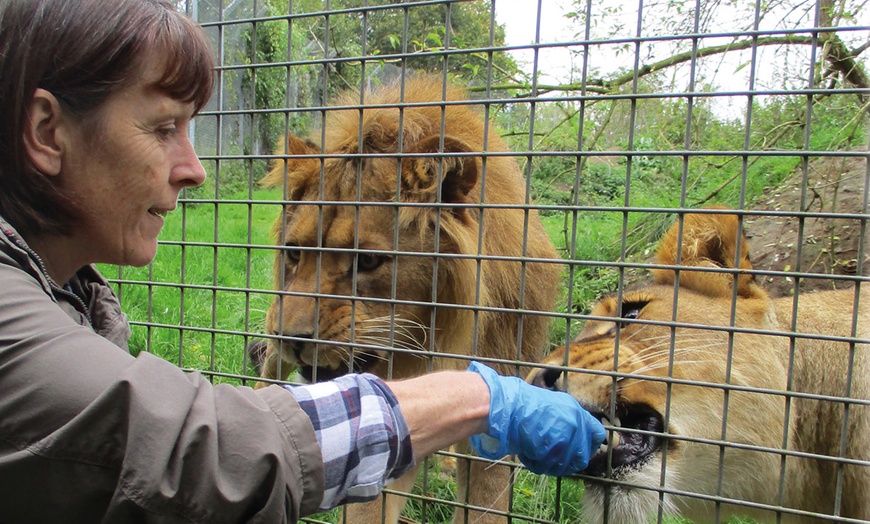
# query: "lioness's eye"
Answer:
x=631 y=311
x=367 y=262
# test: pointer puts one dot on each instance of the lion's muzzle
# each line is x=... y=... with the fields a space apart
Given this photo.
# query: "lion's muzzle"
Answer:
x=638 y=438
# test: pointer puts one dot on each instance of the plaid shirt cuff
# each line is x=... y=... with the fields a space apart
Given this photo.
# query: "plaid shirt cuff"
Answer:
x=363 y=436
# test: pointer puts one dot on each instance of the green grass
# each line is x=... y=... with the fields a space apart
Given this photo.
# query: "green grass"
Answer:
x=535 y=499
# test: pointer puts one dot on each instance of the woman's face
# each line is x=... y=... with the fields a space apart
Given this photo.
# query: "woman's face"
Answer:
x=127 y=176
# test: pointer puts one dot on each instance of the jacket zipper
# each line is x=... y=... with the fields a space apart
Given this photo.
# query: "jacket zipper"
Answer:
x=54 y=287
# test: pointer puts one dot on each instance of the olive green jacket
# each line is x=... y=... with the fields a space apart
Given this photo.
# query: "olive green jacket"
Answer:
x=89 y=433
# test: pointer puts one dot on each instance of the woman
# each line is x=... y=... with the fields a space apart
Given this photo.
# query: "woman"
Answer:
x=97 y=96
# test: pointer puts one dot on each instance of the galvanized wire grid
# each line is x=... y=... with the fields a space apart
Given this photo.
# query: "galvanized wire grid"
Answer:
x=208 y=323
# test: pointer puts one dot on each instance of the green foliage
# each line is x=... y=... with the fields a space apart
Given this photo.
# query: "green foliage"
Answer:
x=278 y=86
x=602 y=183
x=305 y=61
x=427 y=29
x=664 y=178
x=553 y=180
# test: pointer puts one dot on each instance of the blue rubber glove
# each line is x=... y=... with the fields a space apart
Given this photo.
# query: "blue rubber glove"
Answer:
x=548 y=431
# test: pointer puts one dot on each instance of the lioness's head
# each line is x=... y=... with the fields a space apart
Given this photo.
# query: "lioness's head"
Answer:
x=384 y=223
x=666 y=390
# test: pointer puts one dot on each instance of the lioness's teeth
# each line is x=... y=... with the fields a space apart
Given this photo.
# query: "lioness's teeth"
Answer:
x=614 y=436
x=613 y=442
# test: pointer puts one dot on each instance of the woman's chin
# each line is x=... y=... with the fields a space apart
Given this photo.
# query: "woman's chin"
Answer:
x=142 y=255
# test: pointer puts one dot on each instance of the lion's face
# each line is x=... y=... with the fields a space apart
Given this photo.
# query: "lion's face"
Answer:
x=352 y=247
x=674 y=393
x=354 y=313
x=403 y=239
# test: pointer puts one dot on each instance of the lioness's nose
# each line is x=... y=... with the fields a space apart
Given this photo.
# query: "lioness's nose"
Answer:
x=546 y=378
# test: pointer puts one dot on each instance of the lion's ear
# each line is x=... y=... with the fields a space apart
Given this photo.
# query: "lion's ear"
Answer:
x=289 y=172
x=708 y=241
x=428 y=163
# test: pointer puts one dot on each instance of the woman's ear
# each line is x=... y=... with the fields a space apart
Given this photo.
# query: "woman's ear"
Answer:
x=42 y=133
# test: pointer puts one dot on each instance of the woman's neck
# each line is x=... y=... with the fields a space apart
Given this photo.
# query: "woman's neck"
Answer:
x=57 y=256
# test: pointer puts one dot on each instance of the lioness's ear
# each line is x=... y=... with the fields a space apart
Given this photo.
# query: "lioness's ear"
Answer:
x=420 y=174
x=283 y=169
x=708 y=241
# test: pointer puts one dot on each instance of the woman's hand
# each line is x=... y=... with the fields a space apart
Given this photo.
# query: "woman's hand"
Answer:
x=548 y=431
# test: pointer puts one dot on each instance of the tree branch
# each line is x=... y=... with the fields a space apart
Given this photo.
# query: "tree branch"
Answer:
x=843 y=61
x=609 y=86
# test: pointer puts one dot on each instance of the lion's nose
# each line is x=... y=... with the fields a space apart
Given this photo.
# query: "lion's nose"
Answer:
x=546 y=378
x=295 y=342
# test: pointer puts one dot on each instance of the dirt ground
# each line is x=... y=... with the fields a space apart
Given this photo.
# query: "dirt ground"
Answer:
x=828 y=246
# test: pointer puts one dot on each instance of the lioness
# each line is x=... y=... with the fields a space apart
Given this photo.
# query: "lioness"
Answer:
x=690 y=425
x=392 y=257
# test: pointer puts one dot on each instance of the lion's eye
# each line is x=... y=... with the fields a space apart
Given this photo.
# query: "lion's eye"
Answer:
x=368 y=262
x=292 y=253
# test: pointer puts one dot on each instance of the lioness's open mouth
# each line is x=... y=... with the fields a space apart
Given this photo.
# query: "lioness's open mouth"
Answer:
x=629 y=449
x=362 y=362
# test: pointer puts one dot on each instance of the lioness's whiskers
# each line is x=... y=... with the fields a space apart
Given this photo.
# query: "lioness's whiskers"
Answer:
x=715 y=357
x=664 y=357
x=653 y=360
x=666 y=339
x=661 y=365
x=676 y=351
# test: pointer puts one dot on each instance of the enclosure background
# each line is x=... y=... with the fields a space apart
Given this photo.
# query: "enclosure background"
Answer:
x=621 y=115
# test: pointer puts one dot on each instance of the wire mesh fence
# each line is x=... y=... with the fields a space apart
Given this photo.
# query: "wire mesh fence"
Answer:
x=398 y=187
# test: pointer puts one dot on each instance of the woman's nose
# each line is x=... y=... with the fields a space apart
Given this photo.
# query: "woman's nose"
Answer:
x=187 y=170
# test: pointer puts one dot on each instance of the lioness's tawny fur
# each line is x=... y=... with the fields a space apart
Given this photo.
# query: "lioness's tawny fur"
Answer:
x=798 y=441
x=350 y=297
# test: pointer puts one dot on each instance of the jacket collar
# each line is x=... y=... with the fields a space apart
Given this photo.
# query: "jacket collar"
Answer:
x=87 y=293
x=13 y=244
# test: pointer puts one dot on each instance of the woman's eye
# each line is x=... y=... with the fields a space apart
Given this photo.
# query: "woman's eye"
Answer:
x=166 y=131
x=367 y=262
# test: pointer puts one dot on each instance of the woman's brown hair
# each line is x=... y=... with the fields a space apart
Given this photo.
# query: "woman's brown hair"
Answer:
x=83 y=51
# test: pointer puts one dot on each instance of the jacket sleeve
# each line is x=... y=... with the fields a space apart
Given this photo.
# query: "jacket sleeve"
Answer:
x=89 y=433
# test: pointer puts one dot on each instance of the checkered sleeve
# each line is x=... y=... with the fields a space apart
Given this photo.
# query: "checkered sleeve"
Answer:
x=362 y=434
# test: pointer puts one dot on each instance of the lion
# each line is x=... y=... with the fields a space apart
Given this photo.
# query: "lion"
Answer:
x=392 y=261
x=709 y=421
